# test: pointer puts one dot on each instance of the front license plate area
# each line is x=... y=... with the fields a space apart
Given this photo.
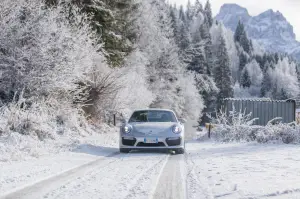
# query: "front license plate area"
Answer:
x=151 y=140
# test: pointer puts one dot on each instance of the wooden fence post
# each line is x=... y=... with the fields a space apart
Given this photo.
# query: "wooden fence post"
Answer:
x=209 y=130
x=115 y=120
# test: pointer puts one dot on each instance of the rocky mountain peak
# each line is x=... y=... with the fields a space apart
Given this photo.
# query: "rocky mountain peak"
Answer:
x=271 y=29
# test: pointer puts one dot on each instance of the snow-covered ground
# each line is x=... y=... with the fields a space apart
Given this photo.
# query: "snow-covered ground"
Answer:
x=95 y=169
x=243 y=170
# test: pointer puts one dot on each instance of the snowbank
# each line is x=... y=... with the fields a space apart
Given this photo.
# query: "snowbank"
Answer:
x=17 y=147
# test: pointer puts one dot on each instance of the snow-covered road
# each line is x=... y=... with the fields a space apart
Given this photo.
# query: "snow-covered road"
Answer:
x=207 y=170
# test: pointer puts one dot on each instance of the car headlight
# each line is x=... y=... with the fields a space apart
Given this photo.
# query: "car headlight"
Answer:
x=127 y=128
x=176 y=129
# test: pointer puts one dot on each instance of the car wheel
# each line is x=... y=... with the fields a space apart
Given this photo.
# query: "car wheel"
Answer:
x=124 y=150
x=180 y=151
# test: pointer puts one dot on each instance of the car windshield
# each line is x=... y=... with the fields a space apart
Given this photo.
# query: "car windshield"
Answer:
x=153 y=116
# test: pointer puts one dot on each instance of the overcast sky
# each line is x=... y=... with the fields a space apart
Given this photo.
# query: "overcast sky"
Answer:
x=289 y=8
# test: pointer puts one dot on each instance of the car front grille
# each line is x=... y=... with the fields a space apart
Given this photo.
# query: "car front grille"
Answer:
x=173 y=141
x=142 y=144
x=128 y=142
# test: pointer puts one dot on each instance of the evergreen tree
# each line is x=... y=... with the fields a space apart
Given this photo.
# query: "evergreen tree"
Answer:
x=244 y=41
x=182 y=16
x=222 y=73
x=208 y=13
x=239 y=31
x=113 y=23
x=195 y=56
x=175 y=24
x=282 y=95
x=189 y=11
x=240 y=36
x=195 y=59
x=251 y=46
x=245 y=79
x=183 y=38
x=197 y=9
x=243 y=61
x=266 y=84
x=205 y=35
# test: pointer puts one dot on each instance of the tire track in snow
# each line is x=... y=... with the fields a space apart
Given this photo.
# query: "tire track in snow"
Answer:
x=129 y=177
x=196 y=185
x=35 y=190
x=171 y=182
x=137 y=188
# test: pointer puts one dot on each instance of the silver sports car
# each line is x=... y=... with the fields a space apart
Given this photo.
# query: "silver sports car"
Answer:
x=152 y=128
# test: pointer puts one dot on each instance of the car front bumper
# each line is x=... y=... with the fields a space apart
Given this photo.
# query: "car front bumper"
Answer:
x=162 y=143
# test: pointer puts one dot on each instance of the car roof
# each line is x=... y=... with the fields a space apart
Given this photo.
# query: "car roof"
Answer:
x=153 y=109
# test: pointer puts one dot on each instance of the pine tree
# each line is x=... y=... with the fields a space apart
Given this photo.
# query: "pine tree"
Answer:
x=182 y=16
x=113 y=23
x=251 y=46
x=195 y=59
x=175 y=24
x=243 y=61
x=183 y=38
x=240 y=36
x=222 y=73
x=282 y=95
x=205 y=35
x=244 y=41
x=245 y=79
x=197 y=9
x=189 y=11
x=208 y=13
x=266 y=84
x=239 y=31
x=194 y=56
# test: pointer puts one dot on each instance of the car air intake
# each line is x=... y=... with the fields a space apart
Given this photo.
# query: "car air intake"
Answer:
x=128 y=141
x=142 y=144
x=173 y=141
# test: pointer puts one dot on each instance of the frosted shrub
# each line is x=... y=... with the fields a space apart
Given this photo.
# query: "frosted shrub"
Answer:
x=238 y=126
x=42 y=118
x=282 y=133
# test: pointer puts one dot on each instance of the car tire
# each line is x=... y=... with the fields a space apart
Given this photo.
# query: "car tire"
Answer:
x=124 y=150
x=180 y=151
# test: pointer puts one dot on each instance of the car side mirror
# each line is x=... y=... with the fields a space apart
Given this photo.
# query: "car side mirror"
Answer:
x=182 y=120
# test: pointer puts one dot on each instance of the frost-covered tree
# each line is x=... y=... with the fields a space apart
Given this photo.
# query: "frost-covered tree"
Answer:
x=53 y=69
x=195 y=56
x=284 y=79
x=240 y=29
x=206 y=37
x=240 y=36
x=266 y=84
x=197 y=9
x=222 y=73
x=112 y=20
x=245 y=43
x=182 y=15
x=208 y=13
x=245 y=79
x=243 y=61
x=175 y=23
x=168 y=79
x=189 y=11
x=184 y=38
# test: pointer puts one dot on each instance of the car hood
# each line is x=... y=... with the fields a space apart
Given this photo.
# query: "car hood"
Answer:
x=152 y=128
